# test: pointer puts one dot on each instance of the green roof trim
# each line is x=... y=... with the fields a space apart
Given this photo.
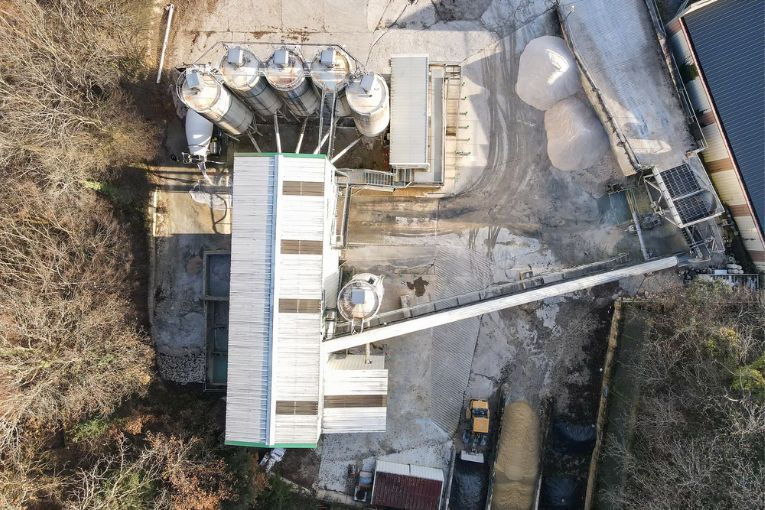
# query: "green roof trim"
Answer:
x=277 y=445
x=285 y=154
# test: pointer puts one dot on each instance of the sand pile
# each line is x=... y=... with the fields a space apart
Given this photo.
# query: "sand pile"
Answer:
x=517 y=463
x=575 y=136
x=547 y=72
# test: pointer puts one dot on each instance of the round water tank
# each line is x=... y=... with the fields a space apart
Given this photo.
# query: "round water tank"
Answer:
x=241 y=71
x=360 y=298
x=204 y=94
x=368 y=100
x=330 y=71
x=285 y=72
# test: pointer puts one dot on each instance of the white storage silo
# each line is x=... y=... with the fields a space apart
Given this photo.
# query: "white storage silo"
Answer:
x=369 y=102
x=286 y=74
x=201 y=92
x=331 y=71
x=241 y=71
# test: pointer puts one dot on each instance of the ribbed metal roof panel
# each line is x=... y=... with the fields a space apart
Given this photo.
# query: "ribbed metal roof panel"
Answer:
x=729 y=41
x=251 y=300
x=409 y=111
x=407 y=487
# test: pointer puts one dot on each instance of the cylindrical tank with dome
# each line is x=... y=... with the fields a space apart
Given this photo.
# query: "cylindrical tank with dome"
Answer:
x=360 y=298
x=286 y=73
x=242 y=73
x=369 y=101
x=331 y=71
x=204 y=94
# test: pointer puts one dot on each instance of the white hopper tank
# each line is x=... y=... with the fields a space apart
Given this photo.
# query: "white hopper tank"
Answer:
x=369 y=101
x=286 y=74
x=241 y=71
x=331 y=71
x=201 y=92
x=198 y=134
x=360 y=298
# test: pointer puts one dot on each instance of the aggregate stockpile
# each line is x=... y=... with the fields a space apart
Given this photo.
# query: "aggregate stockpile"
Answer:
x=548 y=78
x=575 y=136
x=516 y=467
x=547 y=73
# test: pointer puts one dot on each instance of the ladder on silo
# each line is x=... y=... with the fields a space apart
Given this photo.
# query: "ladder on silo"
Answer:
x=327 y=121
x=453 y=78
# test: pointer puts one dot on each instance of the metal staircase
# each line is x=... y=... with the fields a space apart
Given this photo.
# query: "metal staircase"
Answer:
x=453 y=78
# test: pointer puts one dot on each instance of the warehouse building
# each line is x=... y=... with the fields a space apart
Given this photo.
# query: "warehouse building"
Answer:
x=720 y=49
x=284 y=278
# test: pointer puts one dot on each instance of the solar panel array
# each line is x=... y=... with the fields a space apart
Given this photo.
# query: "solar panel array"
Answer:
x=680 y=181
x=691 y=201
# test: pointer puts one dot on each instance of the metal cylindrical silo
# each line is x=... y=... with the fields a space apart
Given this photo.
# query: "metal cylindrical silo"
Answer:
x=368 y=99
x=286 y=74
x=241 y=71
x=208 y=97
x=331 y=71
x=360 y=298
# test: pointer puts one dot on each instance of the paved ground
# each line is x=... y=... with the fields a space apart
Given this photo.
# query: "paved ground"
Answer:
x=508 y=211
x=184 y=227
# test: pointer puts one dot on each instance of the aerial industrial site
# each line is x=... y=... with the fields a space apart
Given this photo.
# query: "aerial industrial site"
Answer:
x=413 y=254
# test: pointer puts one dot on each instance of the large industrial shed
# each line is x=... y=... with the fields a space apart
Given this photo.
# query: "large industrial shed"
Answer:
x=720 y=46
x=281 y=391
x=282 y=263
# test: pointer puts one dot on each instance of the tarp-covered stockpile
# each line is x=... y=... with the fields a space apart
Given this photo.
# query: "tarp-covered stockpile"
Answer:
x=517 y=465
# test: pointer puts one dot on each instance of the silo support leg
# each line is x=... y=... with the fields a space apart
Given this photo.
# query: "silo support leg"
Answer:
x=276 y=132
x=254 y=143
x=300 y=138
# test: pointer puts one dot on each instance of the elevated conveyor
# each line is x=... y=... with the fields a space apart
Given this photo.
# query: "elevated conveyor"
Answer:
x=407 y=323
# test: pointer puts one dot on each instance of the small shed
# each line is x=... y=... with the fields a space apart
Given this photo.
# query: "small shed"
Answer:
x=407 y=487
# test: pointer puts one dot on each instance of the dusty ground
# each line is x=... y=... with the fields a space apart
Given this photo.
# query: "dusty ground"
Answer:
x=508 y=211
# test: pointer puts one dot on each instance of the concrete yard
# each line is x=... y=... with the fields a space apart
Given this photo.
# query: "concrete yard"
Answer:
x=505 y=211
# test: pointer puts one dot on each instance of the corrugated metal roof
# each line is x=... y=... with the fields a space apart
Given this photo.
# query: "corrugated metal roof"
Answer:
x=407 y=487
x=251 y=304
x=729 y=42
x=409 y=111
x=274 y=343
x=356 y=362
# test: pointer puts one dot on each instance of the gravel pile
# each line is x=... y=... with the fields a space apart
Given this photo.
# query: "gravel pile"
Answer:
x=547 y=73
x=184 y=369
x=575 y=136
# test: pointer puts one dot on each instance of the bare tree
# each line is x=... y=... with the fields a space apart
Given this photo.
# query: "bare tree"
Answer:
x=69 y=346
x=65 y=116
x=698 y=439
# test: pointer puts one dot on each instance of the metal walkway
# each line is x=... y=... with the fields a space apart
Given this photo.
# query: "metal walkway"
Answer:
x=420 y=317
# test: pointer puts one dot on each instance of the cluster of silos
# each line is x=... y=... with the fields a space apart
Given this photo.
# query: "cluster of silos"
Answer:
x=244 y=85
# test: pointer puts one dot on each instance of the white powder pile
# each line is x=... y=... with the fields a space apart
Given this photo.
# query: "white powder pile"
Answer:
x=547 y=72
x=575 y=136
